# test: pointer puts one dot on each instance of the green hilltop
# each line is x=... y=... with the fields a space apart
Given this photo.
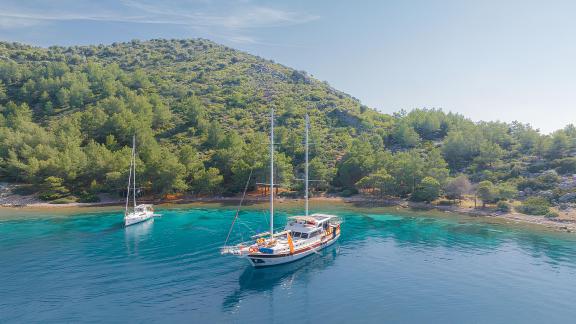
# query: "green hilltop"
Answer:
x=200 y=113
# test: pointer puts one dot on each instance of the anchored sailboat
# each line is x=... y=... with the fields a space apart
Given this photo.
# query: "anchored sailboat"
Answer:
x=138 y=213
x=302 y=236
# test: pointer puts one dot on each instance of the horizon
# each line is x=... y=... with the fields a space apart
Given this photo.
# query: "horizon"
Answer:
x=486 y=61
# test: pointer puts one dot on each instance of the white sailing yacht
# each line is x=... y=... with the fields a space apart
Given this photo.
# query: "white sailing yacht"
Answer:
x=302 y=236
x=138 y=213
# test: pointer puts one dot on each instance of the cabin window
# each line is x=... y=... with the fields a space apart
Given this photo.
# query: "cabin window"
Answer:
x=304 y=235
x=296 y=234
x=313 y=234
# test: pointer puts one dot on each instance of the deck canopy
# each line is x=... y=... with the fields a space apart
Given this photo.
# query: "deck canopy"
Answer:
x=313 y=219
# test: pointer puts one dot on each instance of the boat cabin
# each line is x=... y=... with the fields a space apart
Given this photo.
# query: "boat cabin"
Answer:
x=305 y=227
x=144 y=208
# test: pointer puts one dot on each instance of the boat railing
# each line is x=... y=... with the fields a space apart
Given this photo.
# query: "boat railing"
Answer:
x=268 y=234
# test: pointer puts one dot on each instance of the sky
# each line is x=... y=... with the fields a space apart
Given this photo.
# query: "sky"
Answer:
x=488 y=60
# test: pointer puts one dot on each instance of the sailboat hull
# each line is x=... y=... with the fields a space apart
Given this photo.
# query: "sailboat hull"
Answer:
x=263 y=260
x=137 y=218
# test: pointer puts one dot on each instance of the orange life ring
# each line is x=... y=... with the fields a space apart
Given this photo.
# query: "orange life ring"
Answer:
x=253 y=249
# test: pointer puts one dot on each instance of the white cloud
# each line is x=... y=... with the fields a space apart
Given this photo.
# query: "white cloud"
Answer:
x=240 y=39
x=236 y=17
x=15 y=23
x=244 y=16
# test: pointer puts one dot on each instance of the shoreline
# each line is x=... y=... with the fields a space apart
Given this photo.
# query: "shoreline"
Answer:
x=362 y=202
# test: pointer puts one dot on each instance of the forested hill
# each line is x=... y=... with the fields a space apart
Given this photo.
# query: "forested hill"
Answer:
x=200 y=112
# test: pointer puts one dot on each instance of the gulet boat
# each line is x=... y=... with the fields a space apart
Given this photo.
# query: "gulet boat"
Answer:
x=302 y=235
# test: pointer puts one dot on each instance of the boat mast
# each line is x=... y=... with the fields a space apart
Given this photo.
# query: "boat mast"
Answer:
x=129 y=179
x=272 y=173
x=134 y=165
x=306 y=167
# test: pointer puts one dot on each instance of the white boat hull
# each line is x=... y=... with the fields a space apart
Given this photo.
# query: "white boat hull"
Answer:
x=132 y=219
x=263 y=260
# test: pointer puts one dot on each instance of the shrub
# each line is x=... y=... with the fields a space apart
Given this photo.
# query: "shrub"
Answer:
x=546 y=181
x=348 y=192
x=503 y=206
x=52 y=188
x=65 y=200
x=290 y=194
x=551 y=214
x=535 y=206
x=566 y=165
x=457 y=187
x=538 y=166
x=428 y=190
x=506 y=191
x=49 y=196
x=486 y=191
x=86 y=197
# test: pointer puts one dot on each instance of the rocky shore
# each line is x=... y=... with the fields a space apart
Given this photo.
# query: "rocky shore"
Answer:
x=9 y=199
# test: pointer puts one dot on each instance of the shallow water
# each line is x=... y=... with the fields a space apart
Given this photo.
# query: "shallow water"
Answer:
x=387 y=267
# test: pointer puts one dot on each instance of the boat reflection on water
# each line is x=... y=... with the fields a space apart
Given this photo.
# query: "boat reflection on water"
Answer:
x=135 y=233
x=261 y=280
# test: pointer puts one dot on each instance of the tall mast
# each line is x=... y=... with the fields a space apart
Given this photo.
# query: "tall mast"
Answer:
x=306 y=167
x=128 y=189
x=134 y=164
x=272 y=172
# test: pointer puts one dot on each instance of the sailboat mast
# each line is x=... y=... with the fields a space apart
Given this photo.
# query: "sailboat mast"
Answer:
x=272 y=172
x=128 y=189
x=306 y=166
x=134 y=165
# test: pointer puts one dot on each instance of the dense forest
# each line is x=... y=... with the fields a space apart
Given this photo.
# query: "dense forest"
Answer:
x=200 y=114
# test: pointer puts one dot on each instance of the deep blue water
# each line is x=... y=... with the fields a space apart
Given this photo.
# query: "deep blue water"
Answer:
x=386 y=268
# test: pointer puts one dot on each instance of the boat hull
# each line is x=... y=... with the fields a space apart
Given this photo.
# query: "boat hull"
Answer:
x=264 y=260
x=135 y=219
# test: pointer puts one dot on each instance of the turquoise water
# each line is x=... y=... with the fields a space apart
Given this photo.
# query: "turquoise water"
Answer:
x=387 y=267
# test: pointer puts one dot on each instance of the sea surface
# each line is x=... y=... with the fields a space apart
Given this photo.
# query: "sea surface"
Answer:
x=388 y=267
